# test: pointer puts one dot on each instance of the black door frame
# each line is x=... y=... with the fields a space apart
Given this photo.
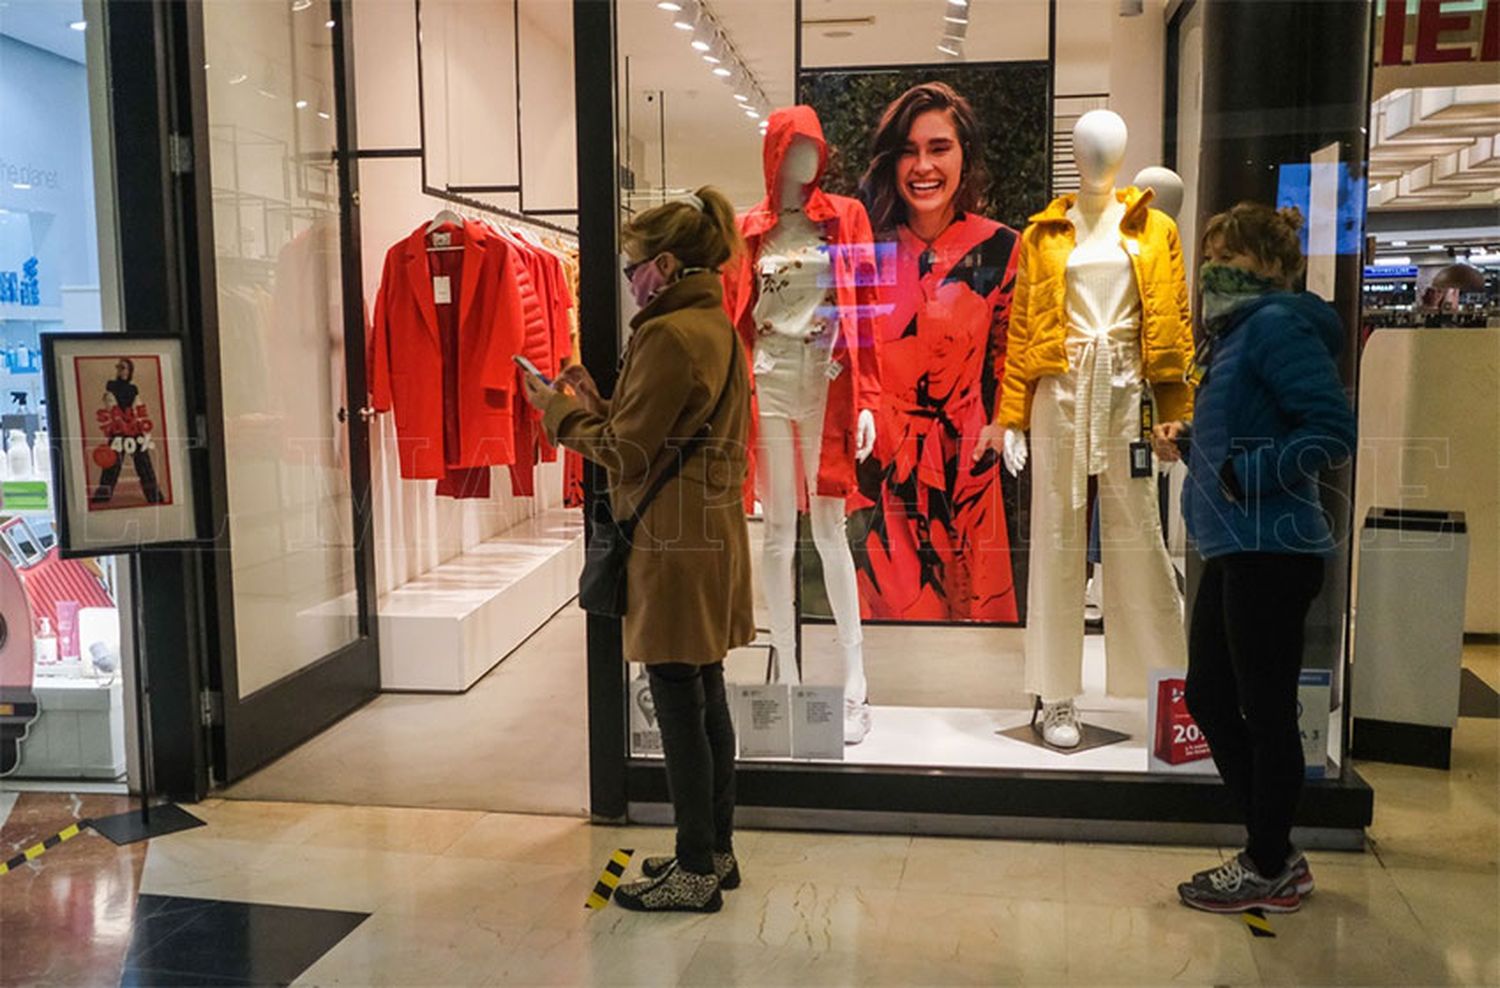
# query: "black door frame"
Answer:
x=251 y=731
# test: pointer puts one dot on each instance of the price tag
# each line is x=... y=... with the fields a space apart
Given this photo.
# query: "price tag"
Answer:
x=764 y=362
x=833 y=370
x=442 y=239
x=764 y=721
x=442 y=289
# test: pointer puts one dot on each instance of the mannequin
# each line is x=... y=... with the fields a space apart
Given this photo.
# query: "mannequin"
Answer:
x=1084 y=418
x=1168 y=193
x=796 y=316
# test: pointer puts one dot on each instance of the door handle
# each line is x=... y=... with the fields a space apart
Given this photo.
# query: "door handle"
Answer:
x=366 y=415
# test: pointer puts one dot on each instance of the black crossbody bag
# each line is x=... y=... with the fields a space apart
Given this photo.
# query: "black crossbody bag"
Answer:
x=601 y=586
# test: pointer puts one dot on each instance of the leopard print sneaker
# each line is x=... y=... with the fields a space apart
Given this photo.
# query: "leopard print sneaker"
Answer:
x=726 y=869
x=676 y=891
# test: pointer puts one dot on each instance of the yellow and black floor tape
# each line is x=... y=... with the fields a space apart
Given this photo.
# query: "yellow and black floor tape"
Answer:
x=1259 y=926
x=37 y=850
x=609 y=879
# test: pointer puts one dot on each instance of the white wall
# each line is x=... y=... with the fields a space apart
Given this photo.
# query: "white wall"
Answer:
x=415 y=530
x=1429 y=428
x=1137 y=63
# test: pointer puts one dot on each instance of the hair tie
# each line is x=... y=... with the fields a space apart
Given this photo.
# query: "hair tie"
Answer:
x=692 y=199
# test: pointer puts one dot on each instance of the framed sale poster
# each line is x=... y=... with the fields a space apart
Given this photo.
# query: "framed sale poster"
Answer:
x=120 y=434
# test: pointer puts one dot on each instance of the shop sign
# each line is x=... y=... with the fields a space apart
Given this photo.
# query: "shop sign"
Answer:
x=1446 y=31
x=1387 y=271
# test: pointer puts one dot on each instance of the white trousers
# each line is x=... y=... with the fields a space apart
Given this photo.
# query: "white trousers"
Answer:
x=777 y=466
x=1143 y=611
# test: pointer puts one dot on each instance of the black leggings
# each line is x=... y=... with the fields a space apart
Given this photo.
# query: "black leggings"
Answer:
x=697 y=738
x=1244 y=660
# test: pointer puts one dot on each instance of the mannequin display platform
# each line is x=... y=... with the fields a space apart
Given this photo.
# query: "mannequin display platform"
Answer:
x=1100 y=348
x=798 y=302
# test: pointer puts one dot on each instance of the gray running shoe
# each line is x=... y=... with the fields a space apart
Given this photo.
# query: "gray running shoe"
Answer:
x=1296 y=863
x=1236 y=887
x=677 y=891
x=726 y=869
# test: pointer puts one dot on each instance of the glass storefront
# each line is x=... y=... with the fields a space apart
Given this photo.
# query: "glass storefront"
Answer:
x=62 y=648
x=923 y=584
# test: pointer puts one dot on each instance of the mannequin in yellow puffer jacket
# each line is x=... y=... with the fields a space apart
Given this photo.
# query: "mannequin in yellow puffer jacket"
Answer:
x=1100 y=330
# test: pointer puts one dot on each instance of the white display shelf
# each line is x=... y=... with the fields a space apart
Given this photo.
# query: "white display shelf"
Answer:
x=444 y=630
x=80 y=733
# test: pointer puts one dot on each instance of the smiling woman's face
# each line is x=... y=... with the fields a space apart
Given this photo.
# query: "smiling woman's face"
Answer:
x=930 y=168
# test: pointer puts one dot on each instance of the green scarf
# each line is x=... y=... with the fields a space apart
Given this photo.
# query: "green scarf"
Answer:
x=1223 y=289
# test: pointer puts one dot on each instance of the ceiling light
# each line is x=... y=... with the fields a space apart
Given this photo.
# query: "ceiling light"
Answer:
x=955 y=19
x=671 y=5
x=23 y=186
x=752 y=114
x=238 y=78
x=959 y=3
x=1398 y=243
x=705 y=37
x=687 y=16
x=328 y=24
x=711 y=58
x=1394 y=262
x=302 y=104
x=325 y=114
x=946 y=50
x=1437 y=247
x=78 y=25
x=722 y=72
x=301 y=5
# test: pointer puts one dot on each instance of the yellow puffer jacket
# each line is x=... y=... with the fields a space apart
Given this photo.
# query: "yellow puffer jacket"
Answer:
x=1038 y=320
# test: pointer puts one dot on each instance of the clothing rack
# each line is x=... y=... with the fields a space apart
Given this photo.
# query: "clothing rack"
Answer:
x=510 y=215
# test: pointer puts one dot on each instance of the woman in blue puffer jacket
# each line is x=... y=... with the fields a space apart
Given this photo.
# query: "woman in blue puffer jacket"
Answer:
x=1270 y=415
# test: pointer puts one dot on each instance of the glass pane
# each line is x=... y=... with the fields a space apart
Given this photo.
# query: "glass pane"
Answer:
x=62 y=678
x=276 y=245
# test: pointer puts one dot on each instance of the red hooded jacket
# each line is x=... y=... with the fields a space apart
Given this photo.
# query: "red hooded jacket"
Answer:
x=846 y=229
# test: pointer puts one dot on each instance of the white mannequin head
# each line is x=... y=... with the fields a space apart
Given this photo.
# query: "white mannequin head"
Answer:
x=1099 y=140
x=1167 y=186
x=798 y=170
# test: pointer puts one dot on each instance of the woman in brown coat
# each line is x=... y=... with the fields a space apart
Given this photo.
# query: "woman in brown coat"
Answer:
x=690 y=598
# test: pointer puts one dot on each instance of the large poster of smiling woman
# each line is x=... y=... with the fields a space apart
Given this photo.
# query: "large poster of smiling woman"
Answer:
x=949 y=162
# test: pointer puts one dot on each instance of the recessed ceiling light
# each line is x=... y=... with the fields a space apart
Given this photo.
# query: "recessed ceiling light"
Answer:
x=325 y=114
x=1398 y=243
x=752 y=114
x=78 y=25
x=671 y=5
x=722 y=72
x=302 y=104
x=328 y=24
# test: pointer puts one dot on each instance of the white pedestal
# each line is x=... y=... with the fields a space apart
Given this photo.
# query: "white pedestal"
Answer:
x=80 y=733
x=444 y=630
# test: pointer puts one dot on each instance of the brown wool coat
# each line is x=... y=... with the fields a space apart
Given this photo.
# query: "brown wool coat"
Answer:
x=690 y=597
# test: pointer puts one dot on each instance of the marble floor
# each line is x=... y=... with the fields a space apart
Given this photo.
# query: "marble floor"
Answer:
x=322 y=894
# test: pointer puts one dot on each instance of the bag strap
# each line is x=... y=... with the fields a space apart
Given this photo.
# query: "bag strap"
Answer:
x=691 y=447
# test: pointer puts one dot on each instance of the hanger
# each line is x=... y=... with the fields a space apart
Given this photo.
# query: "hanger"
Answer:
x=443 y=218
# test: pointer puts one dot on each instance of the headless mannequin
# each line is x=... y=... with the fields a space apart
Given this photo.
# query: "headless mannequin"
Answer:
x=789 y=426
x=1083 y=421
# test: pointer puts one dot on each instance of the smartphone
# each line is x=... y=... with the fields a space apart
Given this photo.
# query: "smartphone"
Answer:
x=531 y=369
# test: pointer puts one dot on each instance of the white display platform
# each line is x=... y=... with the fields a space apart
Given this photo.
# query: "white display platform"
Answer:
x=80 y=733
x=444 y=630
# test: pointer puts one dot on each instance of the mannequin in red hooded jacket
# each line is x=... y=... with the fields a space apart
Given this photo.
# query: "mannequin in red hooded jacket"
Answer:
x=803 y=299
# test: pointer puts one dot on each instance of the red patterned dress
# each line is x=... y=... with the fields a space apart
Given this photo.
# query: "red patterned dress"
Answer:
x=938 y=548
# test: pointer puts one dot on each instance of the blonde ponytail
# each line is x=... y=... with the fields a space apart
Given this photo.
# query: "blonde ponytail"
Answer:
x=701 y=233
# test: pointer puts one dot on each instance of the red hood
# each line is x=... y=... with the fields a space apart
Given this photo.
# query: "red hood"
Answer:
x=783 y=127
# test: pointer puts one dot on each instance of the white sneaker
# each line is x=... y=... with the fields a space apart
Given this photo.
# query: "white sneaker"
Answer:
x=856 y=721
x=1093 y=601
x=1060 y=725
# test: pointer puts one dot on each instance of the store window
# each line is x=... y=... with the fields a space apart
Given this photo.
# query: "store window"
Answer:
x=63 y=709
x=926 y=577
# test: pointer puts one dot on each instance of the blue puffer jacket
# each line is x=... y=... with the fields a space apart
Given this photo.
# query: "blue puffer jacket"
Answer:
x=1270 y=415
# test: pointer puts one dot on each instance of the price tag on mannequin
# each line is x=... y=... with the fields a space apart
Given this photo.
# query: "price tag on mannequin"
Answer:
x=1140 y=450
x=442 y=290
x=833 y=370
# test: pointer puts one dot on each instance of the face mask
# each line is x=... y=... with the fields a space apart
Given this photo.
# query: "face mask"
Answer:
x=647 y=282
x=1225 y=288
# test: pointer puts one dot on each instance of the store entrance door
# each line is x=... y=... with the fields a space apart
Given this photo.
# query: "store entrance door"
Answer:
x=278 y=236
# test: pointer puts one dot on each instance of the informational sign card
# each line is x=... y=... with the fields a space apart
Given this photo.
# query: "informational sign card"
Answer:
x=764 y=720
x=1314 y=698
x=818 y=722
x=1177 y=742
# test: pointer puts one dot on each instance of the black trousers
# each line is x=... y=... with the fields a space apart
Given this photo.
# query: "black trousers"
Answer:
x=697 y=738
x=1244 y=659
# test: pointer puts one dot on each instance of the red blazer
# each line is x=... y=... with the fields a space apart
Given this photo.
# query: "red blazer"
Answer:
x=406 y=354
x=846 y=229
